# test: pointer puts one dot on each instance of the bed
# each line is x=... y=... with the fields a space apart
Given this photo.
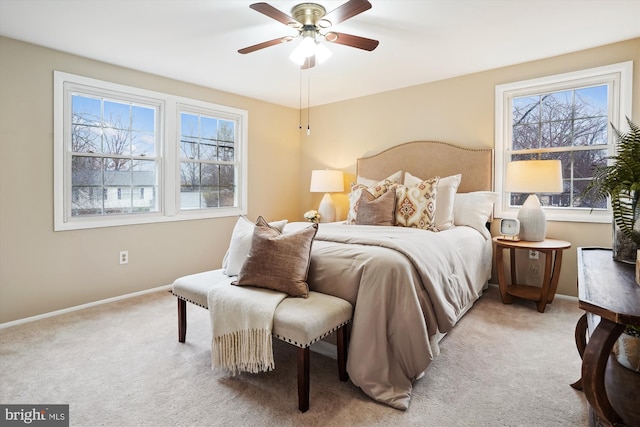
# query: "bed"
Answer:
x=409 y=286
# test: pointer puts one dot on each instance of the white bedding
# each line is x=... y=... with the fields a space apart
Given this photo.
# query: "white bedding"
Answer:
x=408 y=286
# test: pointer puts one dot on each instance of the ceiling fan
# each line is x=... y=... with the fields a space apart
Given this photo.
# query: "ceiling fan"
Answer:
x=312 y=20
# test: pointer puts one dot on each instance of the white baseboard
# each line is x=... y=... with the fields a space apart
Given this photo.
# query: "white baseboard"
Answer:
x=559 y=296
x=325 y=348
x=567 y=297
x=82 y=307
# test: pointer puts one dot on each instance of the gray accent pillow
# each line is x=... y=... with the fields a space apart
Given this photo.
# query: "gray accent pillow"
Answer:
x=278 y=261
x=376 y=210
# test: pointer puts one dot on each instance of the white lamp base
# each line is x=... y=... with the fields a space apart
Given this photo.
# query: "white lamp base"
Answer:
x=327 y=209
x=533 y=221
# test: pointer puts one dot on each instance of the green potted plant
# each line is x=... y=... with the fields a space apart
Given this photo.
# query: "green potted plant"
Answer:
x=620 y=181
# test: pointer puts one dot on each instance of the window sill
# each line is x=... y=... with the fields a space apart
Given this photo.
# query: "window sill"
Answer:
x=101 y=222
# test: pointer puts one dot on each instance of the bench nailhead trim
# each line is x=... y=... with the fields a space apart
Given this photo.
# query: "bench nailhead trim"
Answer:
x=285 y=339
x=297 y=344
x=188 y=300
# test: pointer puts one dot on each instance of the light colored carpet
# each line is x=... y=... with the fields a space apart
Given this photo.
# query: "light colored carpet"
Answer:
x=120 y=364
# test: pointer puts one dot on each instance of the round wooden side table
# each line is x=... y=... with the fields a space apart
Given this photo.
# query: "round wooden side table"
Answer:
x=542 y=295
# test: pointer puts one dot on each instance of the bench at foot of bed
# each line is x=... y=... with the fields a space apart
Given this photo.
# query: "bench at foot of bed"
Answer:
x=296 y=321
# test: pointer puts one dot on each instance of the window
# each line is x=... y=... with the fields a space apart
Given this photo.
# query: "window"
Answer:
x=565 y=117
x=113 y=148
x=130 y=156
x=207 y=162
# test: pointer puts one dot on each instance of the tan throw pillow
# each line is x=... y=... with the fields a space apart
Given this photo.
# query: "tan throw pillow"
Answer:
x=416 y=205
x=376 y=211
x=278 y=261
x=356 y=192
x=241 y=243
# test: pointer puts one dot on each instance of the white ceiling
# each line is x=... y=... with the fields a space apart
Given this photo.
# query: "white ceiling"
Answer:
x=420 y=41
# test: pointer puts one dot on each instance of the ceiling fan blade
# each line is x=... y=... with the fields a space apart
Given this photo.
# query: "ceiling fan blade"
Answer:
x=310 y=62
x=262 y=45
x=272 y=12
x=346 y=11
x=353 y=41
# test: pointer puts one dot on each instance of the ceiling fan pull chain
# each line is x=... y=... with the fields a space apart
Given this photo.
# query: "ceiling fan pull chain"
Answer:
x=309 y=103
x=300 y=105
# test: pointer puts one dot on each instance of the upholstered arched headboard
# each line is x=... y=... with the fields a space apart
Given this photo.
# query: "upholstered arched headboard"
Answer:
x=426 y=159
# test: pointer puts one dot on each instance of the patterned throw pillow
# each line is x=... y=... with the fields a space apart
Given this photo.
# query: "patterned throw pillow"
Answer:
x=447 y=188
x=278 y=261
x=356 y=192
x=416 y=205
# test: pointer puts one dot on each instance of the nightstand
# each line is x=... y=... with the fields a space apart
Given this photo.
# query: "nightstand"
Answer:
x=543 y=295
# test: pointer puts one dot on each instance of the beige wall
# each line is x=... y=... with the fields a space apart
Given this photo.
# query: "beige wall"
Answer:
x=458 y=110
x=42 y=270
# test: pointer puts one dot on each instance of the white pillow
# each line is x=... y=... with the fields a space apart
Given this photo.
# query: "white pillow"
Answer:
x=394 y=178
x=447 y=188
x=241 y=243
x=474 y=210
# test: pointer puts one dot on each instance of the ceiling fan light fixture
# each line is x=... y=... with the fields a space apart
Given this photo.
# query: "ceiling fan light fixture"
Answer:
x=322 y=53
x=297 y=57
x=306 y=48
x=309 y=19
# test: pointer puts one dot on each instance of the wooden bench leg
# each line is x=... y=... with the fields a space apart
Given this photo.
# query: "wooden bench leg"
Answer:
x=342 y=345
x=182 y=320
x=303 y=379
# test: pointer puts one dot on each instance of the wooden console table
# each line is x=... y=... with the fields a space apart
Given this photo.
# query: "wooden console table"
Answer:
x=607 y=289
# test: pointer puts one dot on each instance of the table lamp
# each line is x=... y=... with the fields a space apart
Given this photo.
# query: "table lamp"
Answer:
x=327 y=181
x=533 y=176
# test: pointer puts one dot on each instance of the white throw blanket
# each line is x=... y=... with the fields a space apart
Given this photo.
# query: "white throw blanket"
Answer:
x=241 y=322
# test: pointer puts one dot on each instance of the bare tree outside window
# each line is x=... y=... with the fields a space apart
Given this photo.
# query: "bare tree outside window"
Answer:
x=113 y=147
x=207 y=167
x=123 y=157
x=570 y=126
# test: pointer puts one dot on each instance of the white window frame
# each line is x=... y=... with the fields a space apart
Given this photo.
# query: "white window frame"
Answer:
x=202 y=108
x=620 y=100
x=168 y=151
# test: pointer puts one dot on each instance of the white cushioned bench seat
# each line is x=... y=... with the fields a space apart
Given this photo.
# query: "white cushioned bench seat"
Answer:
x=297 y=321
x=302 y=322
x=194 y=288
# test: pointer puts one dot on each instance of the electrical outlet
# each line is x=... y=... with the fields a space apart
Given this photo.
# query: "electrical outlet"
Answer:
x=533 y=254
x=124 y=257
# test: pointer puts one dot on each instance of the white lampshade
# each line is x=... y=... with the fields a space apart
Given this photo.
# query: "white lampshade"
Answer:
x=533 y=176
x=327 y=181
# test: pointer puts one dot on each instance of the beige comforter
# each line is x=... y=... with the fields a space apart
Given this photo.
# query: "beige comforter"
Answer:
x=407 y=285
